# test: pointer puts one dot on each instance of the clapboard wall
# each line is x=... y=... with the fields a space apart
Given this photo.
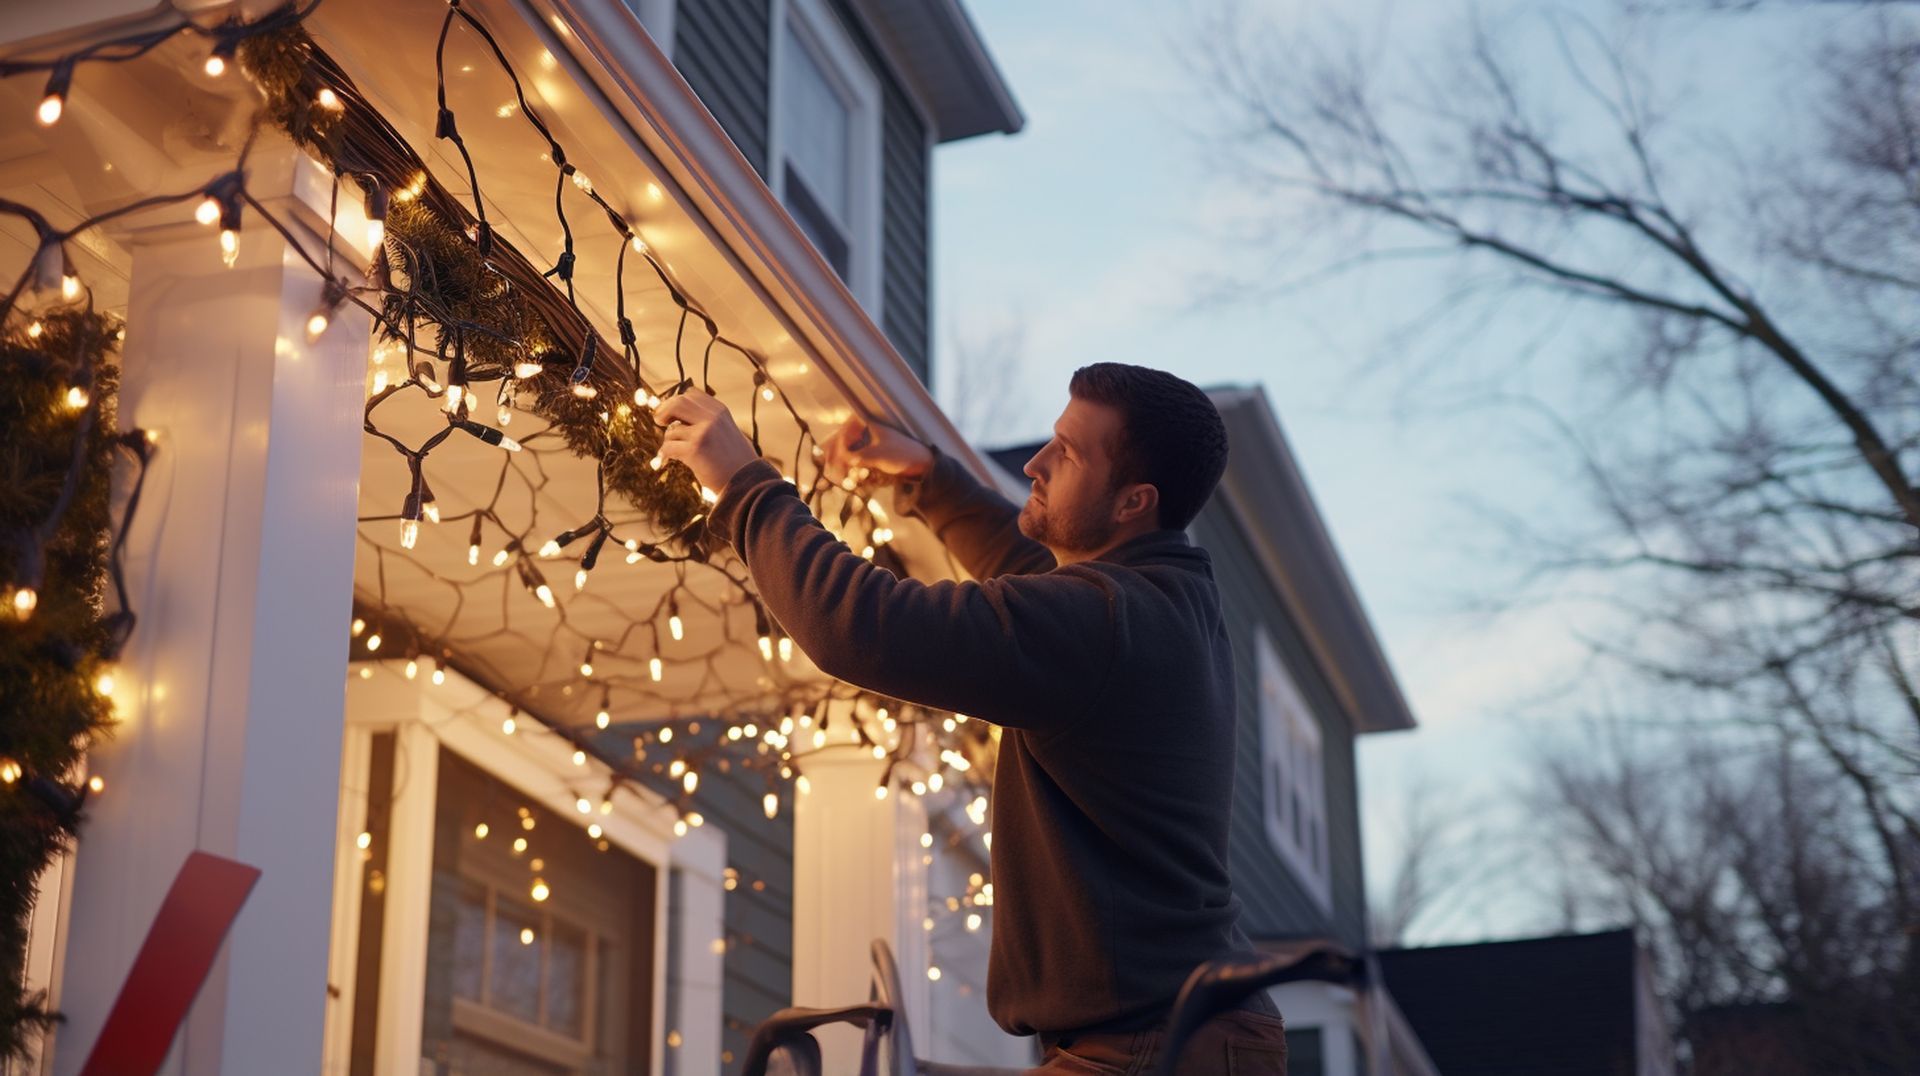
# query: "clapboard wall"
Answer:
x=1276 y=904
x=723 y=49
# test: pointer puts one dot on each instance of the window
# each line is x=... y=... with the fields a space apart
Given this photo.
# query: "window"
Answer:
x=824 y=142
x=555 y=985
x=1305 y=1057
x=1293 y=774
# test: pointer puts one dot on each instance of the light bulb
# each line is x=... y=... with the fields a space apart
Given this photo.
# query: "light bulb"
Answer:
x=76 y=398
x=328 y=99
x=766 y=648
x=103 y=684
x=480 y=831
x=696 y=819
x=373 y=642
x=973 y=921
x=639 y=245
x=50 y=108
x=501 y=558
x=317 y=325
x=96 y=784
x=584 y=390
x=766 y=393
x=409 y=533
x=880 y=792
x=35 y=330
x=545 y=594
x=216 y=65
x=579 y=758
x=550 y=550
x=526 y=368
x=602 y=719
x=439 y=677
x=679 y=827
x=666 y=734
x=526 y=935
x=805 y=786
x=582 y=805
x=431 y=510
x=508 y=726
x=878 y=751
x=505 y=415
x=69 y=287
x=509 y=444
x=586 y=668
x=208 y=210
x=229 y=246
x=413 y=669
x=376 y=232
x=655 y=669
x=580 y=579
x=786 y=649
x=379 y=381
x=357 y=627
x=606 y=806
x=473 y=555
x=935 y=782
x=926 y=840
x=581 y=181
x=594 y=830
x=676 y=628
x=677 y=767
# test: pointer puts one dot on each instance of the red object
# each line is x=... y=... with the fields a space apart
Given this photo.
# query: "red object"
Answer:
x=171 y=966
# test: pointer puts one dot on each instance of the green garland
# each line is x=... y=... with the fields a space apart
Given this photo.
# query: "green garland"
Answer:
x=50 y=660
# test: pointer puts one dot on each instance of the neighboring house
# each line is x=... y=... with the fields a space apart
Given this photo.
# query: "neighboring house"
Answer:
x=1577 y=1004
x=1311 y=678
x=774 y=155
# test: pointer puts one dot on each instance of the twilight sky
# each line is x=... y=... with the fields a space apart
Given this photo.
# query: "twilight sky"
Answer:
x=1098 y=233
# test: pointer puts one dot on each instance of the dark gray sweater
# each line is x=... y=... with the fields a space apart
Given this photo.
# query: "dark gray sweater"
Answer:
x=1113 y=682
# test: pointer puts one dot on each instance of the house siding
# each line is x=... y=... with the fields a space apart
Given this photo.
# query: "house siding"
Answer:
x=1275 y=903
x=724 y=50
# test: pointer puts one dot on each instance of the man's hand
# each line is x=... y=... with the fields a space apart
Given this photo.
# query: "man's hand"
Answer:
x=700 y=433
x=875 y=450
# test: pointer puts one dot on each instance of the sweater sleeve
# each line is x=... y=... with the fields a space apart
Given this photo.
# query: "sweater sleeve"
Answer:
x=1025 y=651
x=980 y=527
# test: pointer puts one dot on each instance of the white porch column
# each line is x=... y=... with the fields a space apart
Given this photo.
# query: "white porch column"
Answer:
x=857 y=875
x=240 y=565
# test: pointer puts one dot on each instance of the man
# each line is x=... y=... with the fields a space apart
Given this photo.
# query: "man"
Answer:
x=1094 y=637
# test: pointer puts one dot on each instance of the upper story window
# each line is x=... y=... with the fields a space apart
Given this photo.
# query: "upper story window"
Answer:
x=1293 y=774
x=824 y=142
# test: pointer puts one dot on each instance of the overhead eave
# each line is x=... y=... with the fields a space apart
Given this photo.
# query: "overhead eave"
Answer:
x=938 y=51
x=1263 y=486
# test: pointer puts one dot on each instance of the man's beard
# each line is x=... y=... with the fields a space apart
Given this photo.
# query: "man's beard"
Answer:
x=1084 y=533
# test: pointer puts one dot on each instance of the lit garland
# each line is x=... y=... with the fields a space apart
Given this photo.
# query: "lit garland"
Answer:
x=58 y=642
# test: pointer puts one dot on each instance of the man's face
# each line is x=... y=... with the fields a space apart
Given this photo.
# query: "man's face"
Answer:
x=1074 y=498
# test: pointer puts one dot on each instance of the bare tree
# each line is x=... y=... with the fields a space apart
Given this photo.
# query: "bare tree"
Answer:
x=979 y=384
x=1751 y=450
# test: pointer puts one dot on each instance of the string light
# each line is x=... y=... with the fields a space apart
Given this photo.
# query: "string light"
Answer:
x=54 y=102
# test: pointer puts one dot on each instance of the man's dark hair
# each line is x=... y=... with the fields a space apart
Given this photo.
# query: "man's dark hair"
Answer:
x=1171 y=434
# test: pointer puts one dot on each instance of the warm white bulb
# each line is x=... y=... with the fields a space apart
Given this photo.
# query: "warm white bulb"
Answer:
x=526 y=935
x=666 y=735
x=229 y=246
x=103 y=684
x=77 y=398
x=208 y=211
x=770 y=803
x=550 y=550
x=439 y=677
x=409 y=533
x=880 y=792
x=766 y=393
x=376 y=232
x=766 y=648
x=317 y=325
x=583 y=805
x=690 y=780
x=586 y=668
x=509 y=444
x=216 y=65
x=328 y=99
x=602 y=719
x=655 y=669
x=473 y=555
x=501 y=558
x=379 y=381
x=579 y=758
x=525 y=370
x=594 y=830
x=508 y=726
x=585 y=391
x=431 y=510
x=639 y=245
x=676 y=628
x=455 y=395
x=580 y=579
x=50 y=109
x=679 y=827
x=786 y=649
x=480 y=831
x=69 y=287
x=545 y=594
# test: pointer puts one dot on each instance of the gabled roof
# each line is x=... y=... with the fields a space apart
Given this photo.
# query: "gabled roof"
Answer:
x=939 y=54
x=1265 y=491
x=1564 y=1005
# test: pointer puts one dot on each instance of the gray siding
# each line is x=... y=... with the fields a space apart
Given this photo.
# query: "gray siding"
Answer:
x=1276 y=905
x=723 y=49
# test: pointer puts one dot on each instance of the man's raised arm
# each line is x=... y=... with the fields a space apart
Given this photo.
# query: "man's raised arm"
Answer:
x=979 y=526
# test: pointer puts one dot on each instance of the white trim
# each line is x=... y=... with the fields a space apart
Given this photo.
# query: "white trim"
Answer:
x=841 y=61
x=656 y=16
x=466 y=719
x=1291 y=741
x=356 y=754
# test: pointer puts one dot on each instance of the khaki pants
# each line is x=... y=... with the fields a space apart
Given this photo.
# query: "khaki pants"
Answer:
x=1232 y=1044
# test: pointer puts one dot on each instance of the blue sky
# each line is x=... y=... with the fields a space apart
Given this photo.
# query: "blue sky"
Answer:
x=1096 y=232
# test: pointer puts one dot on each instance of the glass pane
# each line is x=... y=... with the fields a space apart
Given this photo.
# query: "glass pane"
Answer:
x=517 y=942
x=816 y=126
x=567 y=980
x=813 y=221
x=469 y=940
x=1304 y=1057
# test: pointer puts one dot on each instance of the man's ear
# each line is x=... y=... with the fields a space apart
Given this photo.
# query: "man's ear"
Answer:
x=1141 y=501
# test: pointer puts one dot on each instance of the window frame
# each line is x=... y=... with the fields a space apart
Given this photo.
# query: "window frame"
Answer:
x=833 y=51
x=1294 y=807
